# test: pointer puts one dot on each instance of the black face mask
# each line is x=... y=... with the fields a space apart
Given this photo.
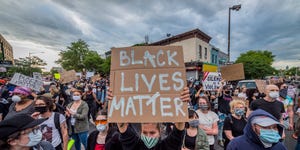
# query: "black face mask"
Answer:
x=41 y=109
x=227 y=92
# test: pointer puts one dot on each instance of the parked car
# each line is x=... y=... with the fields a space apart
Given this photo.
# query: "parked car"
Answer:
x=250 y=84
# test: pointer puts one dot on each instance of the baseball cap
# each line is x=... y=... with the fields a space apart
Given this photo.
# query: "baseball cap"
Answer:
x=264 y=121
x=17 y=123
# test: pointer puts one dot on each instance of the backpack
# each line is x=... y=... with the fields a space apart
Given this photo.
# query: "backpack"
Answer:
x=57 y=124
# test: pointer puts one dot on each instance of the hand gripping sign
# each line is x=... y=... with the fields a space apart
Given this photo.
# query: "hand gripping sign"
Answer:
x=147 y=82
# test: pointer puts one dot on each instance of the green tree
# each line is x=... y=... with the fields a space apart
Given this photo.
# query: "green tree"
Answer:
x=92 y=61
x=27 y=66
x=74 y=55
x=257 y=63
x=105 y=66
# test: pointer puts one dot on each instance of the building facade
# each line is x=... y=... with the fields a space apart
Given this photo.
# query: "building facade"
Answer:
x=6 y=50
x=195 y=45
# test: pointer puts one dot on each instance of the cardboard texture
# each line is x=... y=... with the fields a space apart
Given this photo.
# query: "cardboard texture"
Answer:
x=95 y=77
x=261 y=85
x=68 y=76
x=233 y=72
x=211 y=81
x=146 y=82
x=25 y=81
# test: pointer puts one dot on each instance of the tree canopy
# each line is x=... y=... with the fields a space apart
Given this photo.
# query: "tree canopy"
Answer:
x=257 y=63
x=27 y=66
x=79 y=57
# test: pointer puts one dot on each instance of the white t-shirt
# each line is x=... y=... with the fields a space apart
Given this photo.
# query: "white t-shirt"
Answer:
x=50 y=133
x=208 y=120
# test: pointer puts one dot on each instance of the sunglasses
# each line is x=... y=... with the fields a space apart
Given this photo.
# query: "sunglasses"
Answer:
x=103 y=121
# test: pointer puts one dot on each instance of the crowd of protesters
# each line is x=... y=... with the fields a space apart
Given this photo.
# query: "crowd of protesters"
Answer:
x=74 y=114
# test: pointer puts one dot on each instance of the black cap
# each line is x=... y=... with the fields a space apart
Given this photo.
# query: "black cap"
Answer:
x=17 y=123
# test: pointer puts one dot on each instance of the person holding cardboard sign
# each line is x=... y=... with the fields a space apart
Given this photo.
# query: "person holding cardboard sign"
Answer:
x=150 y=137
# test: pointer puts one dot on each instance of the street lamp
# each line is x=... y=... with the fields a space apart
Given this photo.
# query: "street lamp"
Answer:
x=236 y=8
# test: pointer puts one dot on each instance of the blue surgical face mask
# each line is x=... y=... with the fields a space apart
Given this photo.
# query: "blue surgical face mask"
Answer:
x=239 y=112
x=269 y=136
x=194 y=123
x=34 y=138
x=203 y=107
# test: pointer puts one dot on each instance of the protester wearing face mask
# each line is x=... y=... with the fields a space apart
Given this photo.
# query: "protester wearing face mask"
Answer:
x=21 y=103
x=194 y=138
x=252 y=95
x=235 y=122
x=270 y=103
x=22 y=132
x=224 y=99
x=150 y=135
x=77 y=112
x=106 y=136
x=208 y=120
x=263 y=131
x=54 y=129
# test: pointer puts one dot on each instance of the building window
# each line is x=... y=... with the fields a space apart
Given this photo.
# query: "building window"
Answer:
x=200 y=52
x=216 y=59
x=205 y=53
x=213 y=59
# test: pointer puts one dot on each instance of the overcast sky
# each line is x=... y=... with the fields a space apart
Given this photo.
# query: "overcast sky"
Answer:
x=51 y=25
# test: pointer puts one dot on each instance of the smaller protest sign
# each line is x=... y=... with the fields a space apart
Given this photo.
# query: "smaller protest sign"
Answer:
x=25 y=81
x=95 y=78
x=233 y=72
x=37 y=75
x=68 y=76
x=57 y=76
x=89 y=74
x=261 y=85
x=211 y=81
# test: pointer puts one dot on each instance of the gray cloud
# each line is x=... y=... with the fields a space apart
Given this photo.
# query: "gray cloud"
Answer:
x=53 y=25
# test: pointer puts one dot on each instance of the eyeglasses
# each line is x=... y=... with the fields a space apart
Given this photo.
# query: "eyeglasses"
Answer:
x=103 y=121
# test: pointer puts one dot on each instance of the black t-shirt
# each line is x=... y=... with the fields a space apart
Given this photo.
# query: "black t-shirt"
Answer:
x=223 y=103
x=235 y=125
x=189 y=141
x=275 y=108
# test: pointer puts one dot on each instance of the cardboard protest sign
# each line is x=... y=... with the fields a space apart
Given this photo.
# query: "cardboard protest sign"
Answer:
x=25 y=81
x=261 y=85
x=211 y=81
x=37 y=75
x=95 y=77
x=146 y=82
x=68 y=76
x=233 y=72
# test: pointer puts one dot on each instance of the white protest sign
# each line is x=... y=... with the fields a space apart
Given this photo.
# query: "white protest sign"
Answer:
x=211 y=81
x=89 y=74
x=25 y=81
x=37 y=75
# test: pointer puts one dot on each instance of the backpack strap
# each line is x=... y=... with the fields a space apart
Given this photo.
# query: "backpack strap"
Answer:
x=57 y=125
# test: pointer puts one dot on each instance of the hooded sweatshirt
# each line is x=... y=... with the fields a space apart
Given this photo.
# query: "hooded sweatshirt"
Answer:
x=250 y=140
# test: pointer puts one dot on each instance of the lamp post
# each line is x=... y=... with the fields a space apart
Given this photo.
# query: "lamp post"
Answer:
x=29 y=54
x=236 y=8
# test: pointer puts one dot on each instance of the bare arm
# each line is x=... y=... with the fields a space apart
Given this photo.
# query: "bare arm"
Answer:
x=291 y=117
x=228 y=134
x=65 y=137
x=210 y=131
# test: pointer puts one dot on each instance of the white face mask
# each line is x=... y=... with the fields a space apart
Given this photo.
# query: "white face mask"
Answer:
x=76 y=98
x=16 y=98
x=34 y=138
x=274 y=95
